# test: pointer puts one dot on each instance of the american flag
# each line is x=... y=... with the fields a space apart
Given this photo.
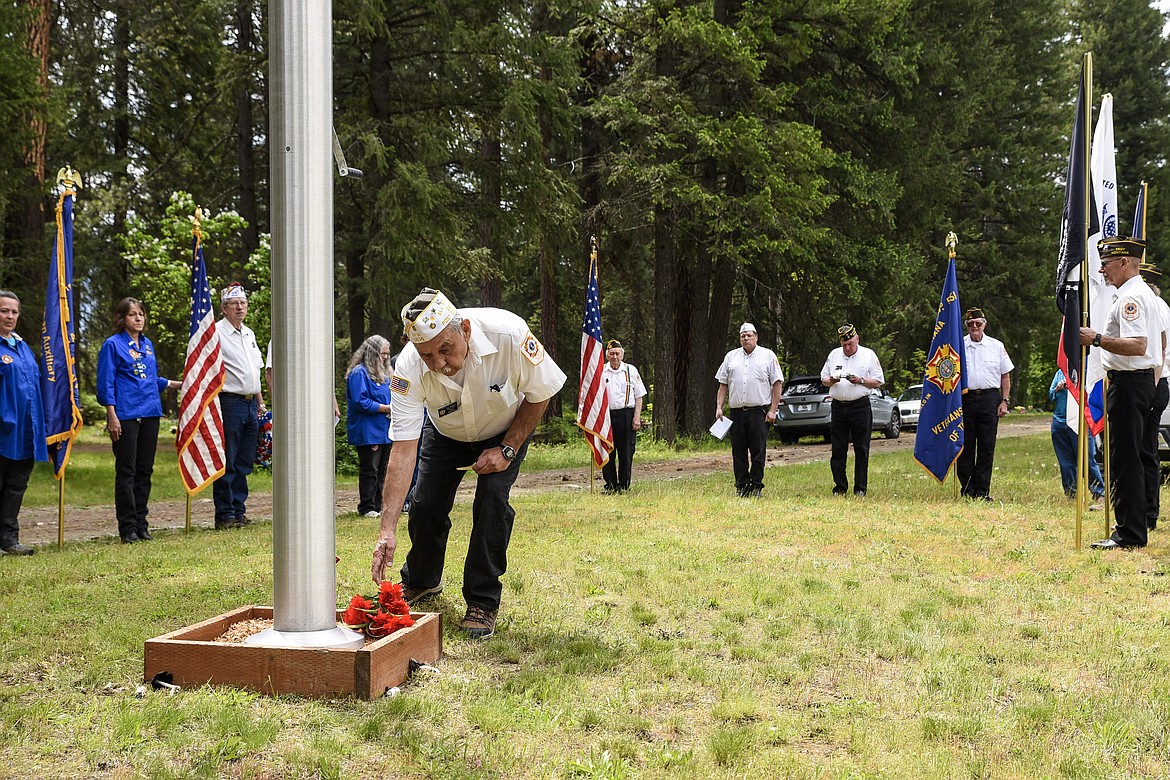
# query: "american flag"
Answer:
x=200 y=439
x=592 y=398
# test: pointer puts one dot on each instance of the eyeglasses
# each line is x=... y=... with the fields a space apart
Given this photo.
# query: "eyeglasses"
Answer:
x=1109 y=260
x=975 y=323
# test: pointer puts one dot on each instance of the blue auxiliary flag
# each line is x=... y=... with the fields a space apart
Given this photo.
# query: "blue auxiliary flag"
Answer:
x=1139 y=214
x=940 y=422
x=59 y=390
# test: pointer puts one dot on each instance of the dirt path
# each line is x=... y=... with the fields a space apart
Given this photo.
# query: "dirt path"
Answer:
x=39 y=526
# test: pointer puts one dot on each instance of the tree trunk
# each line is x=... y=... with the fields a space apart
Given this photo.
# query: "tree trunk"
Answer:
x=246 y=130
x=24 y=229
x=665 y=354
x=491 y=286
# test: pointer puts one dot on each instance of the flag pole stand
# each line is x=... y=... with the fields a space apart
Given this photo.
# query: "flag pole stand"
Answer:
x=187 y=522
x=61 y=511
x=592 y=474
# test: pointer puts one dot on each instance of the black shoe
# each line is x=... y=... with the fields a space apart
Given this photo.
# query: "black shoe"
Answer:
x=609 y=490
x=144 y=535
x=242 y=521
x=223 y=525
x=756 y=493
x=839 y=491
x=859 y=493
x=19 y=549
x=411 y=595
x=1113 y=544
x=131 y=538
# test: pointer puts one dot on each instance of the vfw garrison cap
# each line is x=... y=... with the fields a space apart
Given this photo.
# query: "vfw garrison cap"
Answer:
x=1121 y=247
x=427 y=315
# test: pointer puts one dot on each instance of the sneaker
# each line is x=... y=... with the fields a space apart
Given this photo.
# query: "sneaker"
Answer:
x=372 y=513
x=19 y=549
x=479 y=623
x=411 y=595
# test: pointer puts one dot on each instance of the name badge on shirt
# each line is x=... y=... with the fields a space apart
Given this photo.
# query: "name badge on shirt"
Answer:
x=446 y=410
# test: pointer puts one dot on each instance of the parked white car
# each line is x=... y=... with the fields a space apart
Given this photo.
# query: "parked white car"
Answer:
x=909 y=405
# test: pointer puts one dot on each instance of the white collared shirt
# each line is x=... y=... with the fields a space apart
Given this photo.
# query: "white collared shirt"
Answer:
x=749 y=376
x=505 y=365
x=623 y=385
x=1164 y=313
x=242 y=361
x=1134 y=314
x=987 y=362
x=863 y=363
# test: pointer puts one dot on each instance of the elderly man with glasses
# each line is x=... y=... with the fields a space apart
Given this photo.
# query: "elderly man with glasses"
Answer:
x=1131 y=353
x=989 y=386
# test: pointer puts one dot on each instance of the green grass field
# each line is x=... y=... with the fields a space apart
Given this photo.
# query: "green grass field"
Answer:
x=675 y=631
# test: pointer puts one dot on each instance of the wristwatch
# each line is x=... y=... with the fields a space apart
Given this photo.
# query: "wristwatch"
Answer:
x=1097 y=340
x=509 y=452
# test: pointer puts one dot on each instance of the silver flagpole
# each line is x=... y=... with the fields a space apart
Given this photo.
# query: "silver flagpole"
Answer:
x=300 y=150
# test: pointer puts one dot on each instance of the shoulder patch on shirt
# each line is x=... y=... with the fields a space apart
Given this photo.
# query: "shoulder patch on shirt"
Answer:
x=399 y=385
x=1130 y=311
x=533 y=349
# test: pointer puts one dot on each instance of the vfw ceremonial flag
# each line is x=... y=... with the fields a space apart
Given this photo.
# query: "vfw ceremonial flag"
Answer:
x=940 y=422
x=1078 y=221
x=1104 y=172
x=592 y=398
x=200 y=438
x=59 y=389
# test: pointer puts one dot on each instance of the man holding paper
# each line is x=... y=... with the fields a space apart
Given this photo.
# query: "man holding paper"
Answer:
x=751 y=380
x=850 y=372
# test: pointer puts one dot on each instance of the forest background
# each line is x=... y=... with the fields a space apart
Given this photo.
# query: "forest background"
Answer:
x=795 y=163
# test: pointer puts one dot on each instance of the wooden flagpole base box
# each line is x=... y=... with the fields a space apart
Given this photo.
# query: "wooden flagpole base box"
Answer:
x=365 y=673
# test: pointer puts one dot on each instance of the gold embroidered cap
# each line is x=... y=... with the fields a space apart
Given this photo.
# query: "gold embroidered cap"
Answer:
x=846 y=332
x=974 y=313
x=613 y=344
x=1116 y=246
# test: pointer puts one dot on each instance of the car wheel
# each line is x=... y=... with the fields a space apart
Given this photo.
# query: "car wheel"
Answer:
x=894 y=428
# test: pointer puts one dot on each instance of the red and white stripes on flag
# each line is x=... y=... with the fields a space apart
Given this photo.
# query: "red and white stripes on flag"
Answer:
x=592 y=398
x=200 y=439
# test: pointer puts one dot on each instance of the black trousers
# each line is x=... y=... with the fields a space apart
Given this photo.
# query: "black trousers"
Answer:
x=852 y=422
x=749 y=447
x=1131 y=393
x=372 y=461
x=439 y=474
x=617 y=475
x=980 y=427
x=1150 y=461
x=14 y=476
x=133 y=466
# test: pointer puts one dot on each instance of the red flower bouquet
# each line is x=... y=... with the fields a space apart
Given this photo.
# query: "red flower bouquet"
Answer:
x=381 y=615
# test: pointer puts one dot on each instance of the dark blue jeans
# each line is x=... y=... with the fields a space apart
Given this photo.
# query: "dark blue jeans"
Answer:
x=1064 y=443
x=429 y=525
x=240 y=429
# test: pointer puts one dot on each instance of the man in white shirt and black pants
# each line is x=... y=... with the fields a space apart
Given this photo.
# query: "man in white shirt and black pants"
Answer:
x=240 y=403
x=1131 y=353
x=623 y=386
x=989 y=386
x=1150 y=458
x=750 y=379
x=850 y=372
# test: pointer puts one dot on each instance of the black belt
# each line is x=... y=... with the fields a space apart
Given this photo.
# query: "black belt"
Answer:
x=982 y=390
x=854 y=401
x=764 y=407
x=242 y=397
x=1133 y=372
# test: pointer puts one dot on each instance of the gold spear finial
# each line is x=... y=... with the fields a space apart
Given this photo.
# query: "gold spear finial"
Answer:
x=952 y=242
x=69 y=177
x=197 y=220
x=593 y=246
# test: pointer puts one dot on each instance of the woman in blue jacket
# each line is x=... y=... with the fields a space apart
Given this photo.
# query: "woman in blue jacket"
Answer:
x=128 y=385
x=22 y=423
x=367 y=392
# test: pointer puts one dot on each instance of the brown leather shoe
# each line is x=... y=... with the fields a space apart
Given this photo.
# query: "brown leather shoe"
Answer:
x=479 y=623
